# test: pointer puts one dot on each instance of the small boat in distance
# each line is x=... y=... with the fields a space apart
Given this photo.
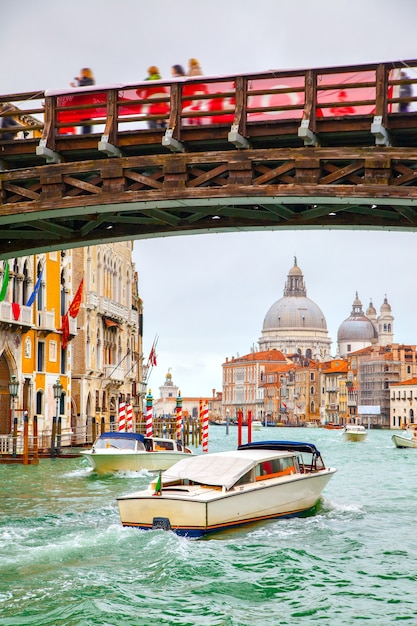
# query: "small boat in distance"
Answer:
x=211 y=492
x=256 y=425
x=355 y=432
x=405 y=442
x=332 y=426
x=122 y=451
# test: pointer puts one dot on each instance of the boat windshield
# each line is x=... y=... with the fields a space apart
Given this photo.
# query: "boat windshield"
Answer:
x=120 y=444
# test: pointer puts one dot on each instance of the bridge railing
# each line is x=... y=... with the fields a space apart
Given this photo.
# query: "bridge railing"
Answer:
x=178 y=109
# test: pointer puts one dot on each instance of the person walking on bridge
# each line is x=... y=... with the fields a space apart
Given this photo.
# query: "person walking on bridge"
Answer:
x=154 y=108
x=85 y=79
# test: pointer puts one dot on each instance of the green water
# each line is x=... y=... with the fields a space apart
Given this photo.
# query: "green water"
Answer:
x=65 y=560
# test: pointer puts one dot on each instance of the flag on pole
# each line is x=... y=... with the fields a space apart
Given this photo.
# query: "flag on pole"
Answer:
x=35 y=291
x=74 y=307
x=152 y=357
x=65 y=330
x=5 y=281
x=158 y=486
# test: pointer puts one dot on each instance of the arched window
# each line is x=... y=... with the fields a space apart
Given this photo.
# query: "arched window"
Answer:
x=39 y=402
x=25 y=290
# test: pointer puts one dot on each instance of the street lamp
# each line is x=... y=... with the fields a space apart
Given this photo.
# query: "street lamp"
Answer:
x=14 y=390
x=57 y=395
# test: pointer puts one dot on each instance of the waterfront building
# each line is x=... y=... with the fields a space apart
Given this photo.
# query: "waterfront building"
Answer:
x=107 y=359
x=250 y=383
x=169 y=392
x=36 y=291
x=335 y=385
x=296 y=324
x=403 y=407
x=371 y=371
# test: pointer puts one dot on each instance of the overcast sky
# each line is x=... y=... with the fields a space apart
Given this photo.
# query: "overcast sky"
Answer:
x=206 y=296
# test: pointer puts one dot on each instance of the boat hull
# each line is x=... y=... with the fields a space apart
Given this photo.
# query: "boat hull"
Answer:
x=355 y=436
x=104 y=462
x=404 y=442
x=194 y=513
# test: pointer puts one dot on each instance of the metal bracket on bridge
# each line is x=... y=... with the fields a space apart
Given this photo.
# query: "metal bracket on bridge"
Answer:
x=307 y=135
x=379 y=131
x=50 y=155
x=235 y=138
x=108 y=148
x=172 y=144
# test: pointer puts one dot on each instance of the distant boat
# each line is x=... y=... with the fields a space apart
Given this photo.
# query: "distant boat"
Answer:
x=121 y=451
x=332 y=426
x=405 y=442
x=355 y=432
x=211 y=492
x=311 y=425
x=256 y=425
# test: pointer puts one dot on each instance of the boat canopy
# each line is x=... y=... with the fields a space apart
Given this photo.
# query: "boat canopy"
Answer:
x=122 y=435
x=221 y=469
x=293 y=446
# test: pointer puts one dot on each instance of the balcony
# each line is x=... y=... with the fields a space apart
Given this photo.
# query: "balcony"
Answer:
x=114 y=310
x=46 y=322
x=91 y=300
x=15 y=317
x=114 y=372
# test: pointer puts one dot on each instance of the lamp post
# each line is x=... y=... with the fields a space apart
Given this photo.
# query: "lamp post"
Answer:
x=57 y=395
x=227 y=421
x=14 y=390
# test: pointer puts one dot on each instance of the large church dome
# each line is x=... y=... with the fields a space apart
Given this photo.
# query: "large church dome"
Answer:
x=294 y=323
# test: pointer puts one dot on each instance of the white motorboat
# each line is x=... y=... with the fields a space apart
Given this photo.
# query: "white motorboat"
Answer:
x=211 y=492
x=355 y=432
x=122 y=451
x=405 y=442
x=256 y=425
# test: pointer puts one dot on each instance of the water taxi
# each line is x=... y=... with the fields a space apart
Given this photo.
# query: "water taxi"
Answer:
x=405 y=442
x=122 y=451
x=211 y=492
x=354 y=432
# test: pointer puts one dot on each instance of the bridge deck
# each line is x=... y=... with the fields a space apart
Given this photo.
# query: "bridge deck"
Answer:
x=329 y=147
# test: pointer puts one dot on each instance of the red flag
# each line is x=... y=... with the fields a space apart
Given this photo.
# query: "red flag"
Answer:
x=152 y=357
x=65 y=330
x=74 y=307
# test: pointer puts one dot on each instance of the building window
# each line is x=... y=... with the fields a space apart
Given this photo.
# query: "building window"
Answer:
x=39 y=403
x=349 y=347
x=41 y=356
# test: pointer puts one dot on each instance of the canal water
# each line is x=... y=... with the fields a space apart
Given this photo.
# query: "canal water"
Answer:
x=65 y=560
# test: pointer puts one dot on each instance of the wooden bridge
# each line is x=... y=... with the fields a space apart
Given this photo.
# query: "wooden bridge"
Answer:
x=315 y=148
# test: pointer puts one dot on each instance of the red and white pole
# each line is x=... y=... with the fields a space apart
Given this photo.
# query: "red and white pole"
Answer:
x=122 y=416
x=129 y=418
x=149 y=415
x=179 y=418
x=205 y=428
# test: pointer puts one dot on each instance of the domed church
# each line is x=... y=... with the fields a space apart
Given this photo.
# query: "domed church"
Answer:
x=360 y=331
x=296 y=324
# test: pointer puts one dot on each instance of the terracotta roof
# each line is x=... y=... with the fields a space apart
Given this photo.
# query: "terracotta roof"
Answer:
x=410 y=381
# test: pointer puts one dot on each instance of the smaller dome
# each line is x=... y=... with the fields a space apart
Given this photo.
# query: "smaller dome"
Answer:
x=385 y=307
x=168 y=376
x=295 y=271
x=357 y=327
x=371 y=310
